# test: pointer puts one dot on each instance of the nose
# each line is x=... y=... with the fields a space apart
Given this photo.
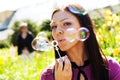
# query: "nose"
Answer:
x=59 y=30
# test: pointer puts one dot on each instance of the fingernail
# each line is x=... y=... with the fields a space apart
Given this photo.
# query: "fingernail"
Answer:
x=67 y=61
x=60 y=60
x=65 y=57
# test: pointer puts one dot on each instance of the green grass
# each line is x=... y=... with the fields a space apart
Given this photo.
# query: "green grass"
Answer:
x=16 y=68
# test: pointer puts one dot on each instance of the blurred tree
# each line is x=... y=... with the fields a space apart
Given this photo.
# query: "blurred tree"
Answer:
x=13 y=37
x=32 y=26
x=4 y=44
x=45 y=27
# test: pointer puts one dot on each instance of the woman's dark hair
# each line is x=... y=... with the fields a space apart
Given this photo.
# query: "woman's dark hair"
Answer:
x=98 y=61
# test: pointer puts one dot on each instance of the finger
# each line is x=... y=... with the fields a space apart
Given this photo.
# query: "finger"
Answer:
x=67 y=63
x=56 y=65
x=60 y=65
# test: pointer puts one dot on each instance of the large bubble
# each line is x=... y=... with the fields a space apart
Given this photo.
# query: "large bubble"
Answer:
x=41 y=42
x=72 y=34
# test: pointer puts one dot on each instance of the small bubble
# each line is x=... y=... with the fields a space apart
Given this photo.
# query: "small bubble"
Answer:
x=83 y=34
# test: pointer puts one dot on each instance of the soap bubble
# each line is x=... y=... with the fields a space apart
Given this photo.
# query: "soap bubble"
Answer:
x=41 y=42
x=77 y=11
x=83 y=34
x=71 y=34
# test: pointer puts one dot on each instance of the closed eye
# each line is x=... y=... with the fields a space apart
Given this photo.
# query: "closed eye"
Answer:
x=53 y=27
x=67 y=24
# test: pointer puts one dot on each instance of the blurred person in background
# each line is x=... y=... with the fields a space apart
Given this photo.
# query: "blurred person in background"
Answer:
x=24 y=40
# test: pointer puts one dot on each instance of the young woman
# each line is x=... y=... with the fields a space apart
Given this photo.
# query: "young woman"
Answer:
x=81 y=60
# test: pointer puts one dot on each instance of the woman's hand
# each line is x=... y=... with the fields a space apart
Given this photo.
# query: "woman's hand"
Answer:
x=63 y=72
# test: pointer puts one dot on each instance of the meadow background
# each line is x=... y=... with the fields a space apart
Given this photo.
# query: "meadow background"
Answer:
x=14 y=67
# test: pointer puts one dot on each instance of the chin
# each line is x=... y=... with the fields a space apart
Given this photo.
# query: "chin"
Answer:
x=64 y=48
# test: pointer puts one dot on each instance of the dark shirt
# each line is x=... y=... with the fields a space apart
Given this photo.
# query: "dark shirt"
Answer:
x=25 y=42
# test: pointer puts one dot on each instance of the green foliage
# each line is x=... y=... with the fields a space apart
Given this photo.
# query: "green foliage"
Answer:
x=98 y=22
x=4 y=44
x=108 y=33
x=32 y=26
x=45 y=26
x=13 y=37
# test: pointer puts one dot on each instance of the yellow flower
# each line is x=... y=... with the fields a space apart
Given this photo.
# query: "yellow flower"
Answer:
x=117 y=38
x=109 y=23
x=1 y=59
x=113 y=23
x=107 y=12
x=115 y=18
x=115 y=51
x=108 y=18
x=104 y=25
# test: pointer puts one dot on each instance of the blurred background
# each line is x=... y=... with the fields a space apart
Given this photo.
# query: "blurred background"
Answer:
x=36 y=13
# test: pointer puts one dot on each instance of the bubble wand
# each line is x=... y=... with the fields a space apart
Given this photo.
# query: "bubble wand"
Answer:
x=55 y=44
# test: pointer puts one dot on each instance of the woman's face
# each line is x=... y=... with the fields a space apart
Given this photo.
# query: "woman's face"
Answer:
x=61 y=21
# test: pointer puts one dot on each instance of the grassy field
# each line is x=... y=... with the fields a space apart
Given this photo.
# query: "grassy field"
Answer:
x=13 y=67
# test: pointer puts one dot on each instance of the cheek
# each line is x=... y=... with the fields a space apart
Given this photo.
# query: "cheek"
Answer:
x=68 y=45
x=53 y=35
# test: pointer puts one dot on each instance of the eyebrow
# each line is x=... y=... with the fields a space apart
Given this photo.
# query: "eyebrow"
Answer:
x=60 y=21
x=63 y=19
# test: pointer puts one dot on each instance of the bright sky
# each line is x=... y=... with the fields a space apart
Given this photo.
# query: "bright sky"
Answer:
x=14 y=4
x=42 y=8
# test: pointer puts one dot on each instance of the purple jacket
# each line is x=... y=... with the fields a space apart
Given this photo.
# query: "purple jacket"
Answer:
x=114 y=71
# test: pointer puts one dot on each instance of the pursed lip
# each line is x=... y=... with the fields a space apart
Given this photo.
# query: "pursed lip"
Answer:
x=61 y=40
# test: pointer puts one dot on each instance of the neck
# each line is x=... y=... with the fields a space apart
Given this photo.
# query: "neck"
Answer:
x=77 y=54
